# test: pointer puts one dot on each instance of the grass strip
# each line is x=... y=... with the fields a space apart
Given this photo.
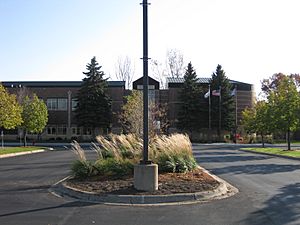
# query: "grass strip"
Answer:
x=9 y=150
x=275 y=151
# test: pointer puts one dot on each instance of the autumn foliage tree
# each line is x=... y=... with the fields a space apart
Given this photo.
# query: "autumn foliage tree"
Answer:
x=258 y=120
x=284 y=102
x=34 y=115
x=10 y=110
x=132 y=115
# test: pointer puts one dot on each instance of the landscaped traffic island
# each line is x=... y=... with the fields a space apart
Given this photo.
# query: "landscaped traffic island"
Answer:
x=112 y=170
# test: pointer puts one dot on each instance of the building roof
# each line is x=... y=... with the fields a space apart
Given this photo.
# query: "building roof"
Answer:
x=202 y=80
x=55 y=83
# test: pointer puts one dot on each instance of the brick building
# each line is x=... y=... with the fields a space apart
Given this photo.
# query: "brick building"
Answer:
x=60 y=97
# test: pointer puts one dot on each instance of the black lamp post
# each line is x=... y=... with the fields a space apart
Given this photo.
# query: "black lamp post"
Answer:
x=145 y=84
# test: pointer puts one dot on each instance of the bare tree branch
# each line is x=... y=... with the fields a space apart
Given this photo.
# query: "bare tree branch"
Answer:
x=158 y=72
x=175 y=63
x=124 y=70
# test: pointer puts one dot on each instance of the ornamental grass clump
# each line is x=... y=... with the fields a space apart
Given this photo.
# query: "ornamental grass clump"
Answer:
x=173 y=153
x=117 y=155
x=81 y=168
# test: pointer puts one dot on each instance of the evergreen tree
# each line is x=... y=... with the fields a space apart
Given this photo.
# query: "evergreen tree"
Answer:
x=220 y=82
x=188 y=118
x=94 y=105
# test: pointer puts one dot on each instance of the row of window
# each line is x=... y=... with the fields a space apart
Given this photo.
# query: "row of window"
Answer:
x=60 y=104
x=62 y=130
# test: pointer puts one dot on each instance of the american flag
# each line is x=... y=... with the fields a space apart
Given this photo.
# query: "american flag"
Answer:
x=216 y=92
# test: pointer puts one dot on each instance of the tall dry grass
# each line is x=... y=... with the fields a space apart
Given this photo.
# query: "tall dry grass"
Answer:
x=120 y=146
x=78 y=151
x=175 y=144
x=116 y=154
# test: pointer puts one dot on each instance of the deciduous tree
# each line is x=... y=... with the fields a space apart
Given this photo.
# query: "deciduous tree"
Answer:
x=284 y=102
x=258 y=119
x=132 y=116
x=10 y=110
x=125 y=71
x=34 y=115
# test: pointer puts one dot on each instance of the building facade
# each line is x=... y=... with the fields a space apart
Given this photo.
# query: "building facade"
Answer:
x=60 y=98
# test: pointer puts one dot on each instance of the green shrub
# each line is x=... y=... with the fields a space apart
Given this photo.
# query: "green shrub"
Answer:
x=116 y=155
x=82 y=169
x=113 y=167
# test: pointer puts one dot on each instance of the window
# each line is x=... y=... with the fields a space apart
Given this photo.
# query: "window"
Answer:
x=141 y=87
x=51 y=130
x=151 y=96
x=57 y=130
x=62 y=104
x=57 y=104
x=61 y=130
x=74 y=104
x=76 y=131
x=52 y=103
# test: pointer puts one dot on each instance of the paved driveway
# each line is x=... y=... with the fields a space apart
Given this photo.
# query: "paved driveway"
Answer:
x=269 y=193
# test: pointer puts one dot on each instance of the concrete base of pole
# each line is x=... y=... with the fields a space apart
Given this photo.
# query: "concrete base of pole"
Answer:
x=146 y=177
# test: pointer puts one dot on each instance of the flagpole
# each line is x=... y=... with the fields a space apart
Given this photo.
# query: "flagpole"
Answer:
x=235 y=112
x=220 y=114
x=209 y=109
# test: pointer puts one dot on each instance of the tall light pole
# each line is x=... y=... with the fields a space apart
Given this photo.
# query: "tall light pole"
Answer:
x=145 y=175
x=145 y=84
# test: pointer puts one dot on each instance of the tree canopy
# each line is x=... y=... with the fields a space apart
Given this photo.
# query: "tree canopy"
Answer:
x=188 y=118
x=258 y=119
x=10 y=110
x=94 y=105
x=220 y=82
x=34 y=115
x=285 y=104
x=132 y=115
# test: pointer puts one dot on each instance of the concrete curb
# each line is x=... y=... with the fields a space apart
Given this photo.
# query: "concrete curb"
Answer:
x=224 y=190
x=21 y=153
x=270 y=154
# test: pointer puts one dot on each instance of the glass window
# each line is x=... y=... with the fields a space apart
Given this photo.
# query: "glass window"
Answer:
x=141 y=87
x=51 y=130
x=74 y=104
x=62 y=104
x=151 y=96
x=52 y=104
x=61 y=130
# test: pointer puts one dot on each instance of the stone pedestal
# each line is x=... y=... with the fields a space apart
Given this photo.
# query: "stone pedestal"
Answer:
x=146 y=177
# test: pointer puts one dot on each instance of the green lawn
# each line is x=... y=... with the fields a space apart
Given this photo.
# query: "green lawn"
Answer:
x=276 y=151
x=8 y=150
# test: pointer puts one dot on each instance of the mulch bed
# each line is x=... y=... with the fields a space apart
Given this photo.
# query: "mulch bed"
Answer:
x=168 y=183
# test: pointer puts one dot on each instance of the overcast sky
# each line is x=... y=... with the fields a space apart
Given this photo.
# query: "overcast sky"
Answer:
x=55 y=39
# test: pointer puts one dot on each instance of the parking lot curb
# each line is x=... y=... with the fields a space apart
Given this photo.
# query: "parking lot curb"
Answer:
x=224 y=190
x=21 y=153
x=270 y=154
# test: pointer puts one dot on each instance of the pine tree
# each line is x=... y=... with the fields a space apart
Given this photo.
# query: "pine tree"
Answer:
x=220 y=82
x=189 y=113
x=94 y=105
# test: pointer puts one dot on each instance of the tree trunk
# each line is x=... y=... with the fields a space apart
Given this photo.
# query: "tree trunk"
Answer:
x=25 y=137
x=262 y=140
x=289 y=139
